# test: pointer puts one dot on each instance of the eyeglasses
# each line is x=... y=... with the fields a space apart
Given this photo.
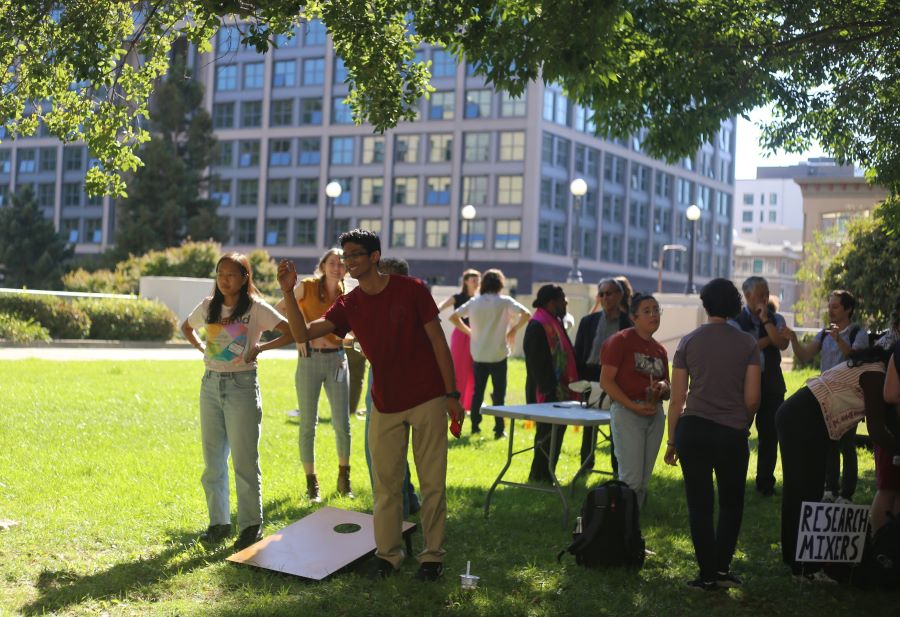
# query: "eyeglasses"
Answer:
x=349 y=256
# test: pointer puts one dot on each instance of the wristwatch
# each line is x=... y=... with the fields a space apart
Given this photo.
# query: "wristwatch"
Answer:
x=454 y=394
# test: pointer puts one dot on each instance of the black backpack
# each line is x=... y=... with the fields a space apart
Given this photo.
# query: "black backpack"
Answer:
x=608 y=532
x=880 y=567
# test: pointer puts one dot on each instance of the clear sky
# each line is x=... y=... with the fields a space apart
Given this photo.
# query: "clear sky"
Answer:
x=750 y=155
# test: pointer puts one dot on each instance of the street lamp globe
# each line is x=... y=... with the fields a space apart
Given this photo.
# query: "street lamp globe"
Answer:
x=468 y=212
x=578 y=187
x=692 y=213
x=333 y=189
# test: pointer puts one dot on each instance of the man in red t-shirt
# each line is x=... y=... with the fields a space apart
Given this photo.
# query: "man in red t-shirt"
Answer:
x=396 y=323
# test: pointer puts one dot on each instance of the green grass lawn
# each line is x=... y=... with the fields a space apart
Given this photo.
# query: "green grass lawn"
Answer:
x=100 y=463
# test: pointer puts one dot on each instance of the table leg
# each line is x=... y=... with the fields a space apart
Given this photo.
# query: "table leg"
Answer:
x=556 y=485
x=509 y=456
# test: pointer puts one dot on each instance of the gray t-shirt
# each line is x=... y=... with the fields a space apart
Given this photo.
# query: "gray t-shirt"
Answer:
x=830 y=354
x=716 y=357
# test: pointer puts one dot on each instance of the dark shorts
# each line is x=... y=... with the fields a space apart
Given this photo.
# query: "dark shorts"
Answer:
x=887 y=474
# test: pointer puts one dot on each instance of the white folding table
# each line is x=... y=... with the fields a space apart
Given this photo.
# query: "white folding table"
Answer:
x=565 y=414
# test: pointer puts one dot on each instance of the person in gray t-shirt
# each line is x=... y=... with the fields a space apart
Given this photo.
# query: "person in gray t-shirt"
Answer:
x=708 y=428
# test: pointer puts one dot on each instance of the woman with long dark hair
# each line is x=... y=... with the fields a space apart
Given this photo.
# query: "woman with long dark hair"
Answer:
x=322 y=362
x=460 y=342
x=234 y=317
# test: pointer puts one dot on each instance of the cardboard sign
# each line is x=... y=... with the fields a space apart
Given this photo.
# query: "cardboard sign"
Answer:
x=832 y=532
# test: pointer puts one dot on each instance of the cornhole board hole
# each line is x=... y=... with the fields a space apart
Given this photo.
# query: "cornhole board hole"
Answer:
x=316 y=546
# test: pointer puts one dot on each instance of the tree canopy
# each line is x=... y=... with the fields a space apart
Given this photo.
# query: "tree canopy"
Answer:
x=32 y=254
x=676 y=68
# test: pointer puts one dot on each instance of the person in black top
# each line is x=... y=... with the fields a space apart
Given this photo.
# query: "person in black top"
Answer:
x=593 y=330
x=767 y=327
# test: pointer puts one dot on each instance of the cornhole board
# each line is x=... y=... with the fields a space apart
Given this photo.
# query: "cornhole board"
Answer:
x=316 y=546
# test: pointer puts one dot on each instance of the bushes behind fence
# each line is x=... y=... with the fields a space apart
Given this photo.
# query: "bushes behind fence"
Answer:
x=17 y=330
x=60 y=318
x=128 y=320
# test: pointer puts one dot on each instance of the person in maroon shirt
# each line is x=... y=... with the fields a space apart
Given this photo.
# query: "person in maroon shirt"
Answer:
x=396 y=323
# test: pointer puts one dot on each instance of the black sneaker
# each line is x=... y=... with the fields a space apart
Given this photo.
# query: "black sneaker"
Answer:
x=430 y=571
x=727 y=580
x=698 y=584
x=215 y=534
x=379 y=569
x=248 y=536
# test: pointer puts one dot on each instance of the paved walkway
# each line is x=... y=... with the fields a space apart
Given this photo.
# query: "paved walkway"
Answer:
x=113 y=351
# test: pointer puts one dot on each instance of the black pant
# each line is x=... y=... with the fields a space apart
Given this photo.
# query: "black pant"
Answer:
x=846 y=448
x=497 y=373
x=589 y=444
x=705 y=447
x=804 y=441
x=767 y=444
x=543 y=433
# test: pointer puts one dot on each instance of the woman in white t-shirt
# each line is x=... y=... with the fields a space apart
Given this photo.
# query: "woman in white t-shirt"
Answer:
x=230 y=405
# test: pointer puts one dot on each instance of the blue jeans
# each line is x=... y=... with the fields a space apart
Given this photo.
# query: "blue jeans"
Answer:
x=314 y=371
x=409 y=491
x=230 y=419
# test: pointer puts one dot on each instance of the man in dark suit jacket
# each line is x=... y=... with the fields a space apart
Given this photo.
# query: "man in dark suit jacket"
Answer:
x=593 y=330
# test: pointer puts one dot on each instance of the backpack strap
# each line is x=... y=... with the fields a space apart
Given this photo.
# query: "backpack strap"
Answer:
x=853 y=332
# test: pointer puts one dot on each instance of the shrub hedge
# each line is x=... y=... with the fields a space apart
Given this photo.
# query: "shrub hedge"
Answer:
x=60 y=318
x=128 y=320
x=18 y=330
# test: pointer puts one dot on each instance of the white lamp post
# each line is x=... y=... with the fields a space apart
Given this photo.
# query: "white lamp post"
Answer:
x=333 y=190
x=693 y=215
x=578 y=188
x=468 y=213
x=662 y=256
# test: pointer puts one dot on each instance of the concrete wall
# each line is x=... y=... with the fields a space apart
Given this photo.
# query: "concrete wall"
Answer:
x=181 y=294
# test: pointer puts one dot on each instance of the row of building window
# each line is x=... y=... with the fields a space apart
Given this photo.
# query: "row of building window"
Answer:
x=36 y=160
x=72 y=194
x=747 y=216
x=749 y=199
x=310 y=34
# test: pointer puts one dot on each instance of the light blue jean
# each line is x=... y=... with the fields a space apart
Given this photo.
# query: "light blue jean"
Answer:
x=637 y=440
x=314 y=371
x=409 y=491
x=230 y=420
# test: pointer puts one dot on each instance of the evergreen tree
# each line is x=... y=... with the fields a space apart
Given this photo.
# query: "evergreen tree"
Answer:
x=32 y=254
x=165 y=206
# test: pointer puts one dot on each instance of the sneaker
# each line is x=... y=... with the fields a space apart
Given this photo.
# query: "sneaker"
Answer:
x=248 y=537
x=379 y=569
x=215 y=534
x=828 y=497
x=430 y=571
x=698 y=584
x=818 y=576
x=843 y=500
x=727 y=580
x=500 y=435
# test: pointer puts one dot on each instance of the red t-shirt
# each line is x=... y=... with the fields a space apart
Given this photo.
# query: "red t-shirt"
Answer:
x=390 y=328
x=639 y=362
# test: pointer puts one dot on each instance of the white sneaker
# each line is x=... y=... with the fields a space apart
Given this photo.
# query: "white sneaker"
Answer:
x=842 y=500
x=828 y=497
x=816 y=577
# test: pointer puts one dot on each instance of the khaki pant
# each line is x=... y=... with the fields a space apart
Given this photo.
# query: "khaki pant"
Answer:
x=388 y=441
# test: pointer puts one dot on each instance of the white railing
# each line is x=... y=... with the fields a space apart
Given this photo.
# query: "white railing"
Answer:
x=67 y=294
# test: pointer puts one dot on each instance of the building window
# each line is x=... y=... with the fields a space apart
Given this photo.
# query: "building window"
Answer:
x=509 y=190
x=307 y=191
x=552 y=238
x=276 y=232
x=93 y=231
x=304 y=232
x=311 y=111
x=758 y=266
x=73 y=158
x=438 y=191
x=748 y=199
x=512 y=146
x=341 y=150
x=373 y=225
x=284 y=74
x=773 y=216
x=442 y=106
x=639 y=214
x=512 y=107
x=685 y=189
x=440 y=148
x=282 y=112
x=437 y=233
x=251 y=114
x=248 y=191
x=245 y=231
x=279 y=192
x=223 y=115
x=406 y=149
x=371 y=191
x=346 y=195
x=314 y=71
x=661 y=219
x=315 y=33
x=637 y=252
x=310 y=151
x=220 y=191
x=773 y=199
x=228 y=39
x=403 y=233
x=508 y=234
x=341 y=113
x=254 y=75
x=226 y=77
x=477 y=147
x=288 y=39
x=280 y=152
x=405 y=190
x=663 y=184
x=443 y=64
x=224 y=156
x=614 y=169
x=747 y=216
x=46 y=194
x=340 y=71
x=475 y=190
x=478 y=104
x=373 y=150
x=71 y=194
x=613 y=208
x=248 y=153
x=640 y=178
x=68 y=229
x=475 y=235
x=27 y=161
